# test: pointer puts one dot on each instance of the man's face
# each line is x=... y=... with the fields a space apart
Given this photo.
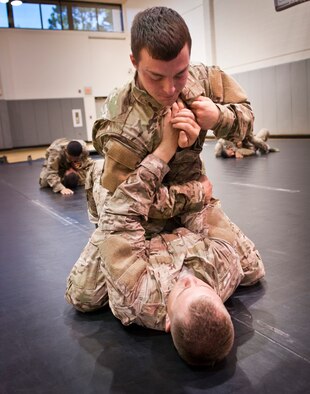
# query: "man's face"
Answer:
x=186 y=289
x=230 y=152
x=163 y=80
x=73 y=160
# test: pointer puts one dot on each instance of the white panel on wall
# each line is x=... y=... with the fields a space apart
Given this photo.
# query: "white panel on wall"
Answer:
x=109 y=65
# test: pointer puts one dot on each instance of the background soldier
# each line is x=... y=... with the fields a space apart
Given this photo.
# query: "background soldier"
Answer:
x=65 y=166
x=247 y=147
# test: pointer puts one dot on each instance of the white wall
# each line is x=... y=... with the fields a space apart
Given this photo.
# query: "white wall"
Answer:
x=193 y=13
x=250 y=34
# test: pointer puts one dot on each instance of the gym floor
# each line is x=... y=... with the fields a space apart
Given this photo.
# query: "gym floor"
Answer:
x=47 y=347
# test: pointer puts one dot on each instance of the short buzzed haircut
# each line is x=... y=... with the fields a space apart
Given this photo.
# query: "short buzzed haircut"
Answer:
x=161 y=31
x=74 y=148
x=206 y=336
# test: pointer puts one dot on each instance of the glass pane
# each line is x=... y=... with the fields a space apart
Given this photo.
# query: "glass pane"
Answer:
x=109 y=19
x=54 y=17
x=4 y=21
x=27 y=16
x=84 y=18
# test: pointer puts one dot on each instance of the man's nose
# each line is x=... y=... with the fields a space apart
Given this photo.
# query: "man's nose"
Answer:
x=168 y=87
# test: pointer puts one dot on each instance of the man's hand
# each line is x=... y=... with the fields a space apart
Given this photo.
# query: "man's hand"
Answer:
x=206 y=112
x=207 y=187
x=184 y=120
x=66 y=192
x=169 y=142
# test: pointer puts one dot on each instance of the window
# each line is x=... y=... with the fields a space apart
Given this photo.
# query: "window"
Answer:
x=63 y=15
x=4 y=20
x=54 y=17
x=27 y=15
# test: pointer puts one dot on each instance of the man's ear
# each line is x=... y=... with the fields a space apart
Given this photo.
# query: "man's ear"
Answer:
x=133 y=61
x=168 y=324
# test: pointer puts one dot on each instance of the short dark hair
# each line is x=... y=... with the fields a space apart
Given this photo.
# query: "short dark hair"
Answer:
x=71 y=180
x=224 y=153
x=161 y=31
x=74 y=148
x=206 y=336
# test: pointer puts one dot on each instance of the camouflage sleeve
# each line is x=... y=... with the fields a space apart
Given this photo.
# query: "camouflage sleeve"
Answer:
x=120 y=163
x=176 y=200
x=236 y=115
x=124 y=250
x=52 y=169
x=91 y=203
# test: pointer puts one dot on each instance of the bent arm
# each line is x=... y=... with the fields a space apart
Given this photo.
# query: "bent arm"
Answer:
x=52 y=169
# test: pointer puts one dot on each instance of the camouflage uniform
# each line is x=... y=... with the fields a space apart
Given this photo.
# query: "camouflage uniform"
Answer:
x=131 y=125
x=246 y=148
x=95 y=193
x=222 y=145
x=56 y=164
x=126 y=261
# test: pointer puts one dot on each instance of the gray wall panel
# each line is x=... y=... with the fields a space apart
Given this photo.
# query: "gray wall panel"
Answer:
x=66 y=114
x=283 y=99
x=28 y=125
x=299 y=97
x=308 y=93
x=269 y=100
x=5 y=129
x=16 y=122
x=280 y=96
x=55 y=119
x=256 y=98
x=41 y=122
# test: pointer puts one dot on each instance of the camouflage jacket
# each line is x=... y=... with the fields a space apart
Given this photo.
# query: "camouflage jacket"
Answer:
x=131 y=125
x=140 y=273
x=56 y=164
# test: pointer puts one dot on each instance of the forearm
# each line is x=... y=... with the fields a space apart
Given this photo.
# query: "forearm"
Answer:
x=176 y=200
x=235 y=121
x=55 y=182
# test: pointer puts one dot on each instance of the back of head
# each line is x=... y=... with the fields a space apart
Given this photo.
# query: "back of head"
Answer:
x=161 y=31
x=71 y=180
x=206 y=336
x=74 y=148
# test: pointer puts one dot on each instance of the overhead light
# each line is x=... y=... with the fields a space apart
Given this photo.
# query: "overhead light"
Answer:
x=16 y=2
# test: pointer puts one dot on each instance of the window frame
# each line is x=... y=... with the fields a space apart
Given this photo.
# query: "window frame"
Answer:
x=69 y=4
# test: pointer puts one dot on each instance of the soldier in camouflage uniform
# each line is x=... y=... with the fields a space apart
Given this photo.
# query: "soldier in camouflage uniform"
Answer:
x=158 y=219
x=64 y=157
x=229 y=149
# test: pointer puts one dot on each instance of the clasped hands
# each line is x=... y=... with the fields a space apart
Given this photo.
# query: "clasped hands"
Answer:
x=202 y=114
